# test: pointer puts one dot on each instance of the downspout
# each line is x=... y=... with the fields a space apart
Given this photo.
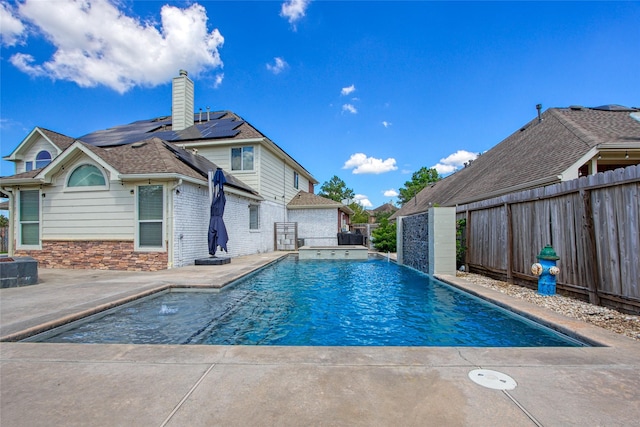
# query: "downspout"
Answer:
x=171 y=255
x=170 y=228
x=284 y=187
x=10 y=237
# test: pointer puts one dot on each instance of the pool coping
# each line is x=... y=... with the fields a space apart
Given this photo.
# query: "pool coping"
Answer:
x=593 y=335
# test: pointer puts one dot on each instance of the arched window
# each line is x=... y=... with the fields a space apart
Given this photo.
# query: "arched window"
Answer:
x=86 y=176
x=43 y=159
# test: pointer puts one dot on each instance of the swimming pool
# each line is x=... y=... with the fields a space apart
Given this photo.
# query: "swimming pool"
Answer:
x=316 y=303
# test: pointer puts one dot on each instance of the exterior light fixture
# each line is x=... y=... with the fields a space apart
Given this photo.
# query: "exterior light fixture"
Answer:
x=626 y=154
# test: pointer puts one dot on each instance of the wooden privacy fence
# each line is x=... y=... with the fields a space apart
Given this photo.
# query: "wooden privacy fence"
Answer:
x=4 y=239
x=593 y=223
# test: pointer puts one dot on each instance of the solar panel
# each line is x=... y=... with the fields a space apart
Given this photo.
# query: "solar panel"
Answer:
x=216 y=127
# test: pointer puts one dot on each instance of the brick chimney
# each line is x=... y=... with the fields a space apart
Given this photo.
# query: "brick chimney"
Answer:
x=182 y=102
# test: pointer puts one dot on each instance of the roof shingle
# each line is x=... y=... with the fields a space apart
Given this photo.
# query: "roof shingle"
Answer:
x=537 y=153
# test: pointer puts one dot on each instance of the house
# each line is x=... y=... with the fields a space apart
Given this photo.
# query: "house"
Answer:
x=386 y=208
x=319 y=219
x=560 y=144
x=136 y=196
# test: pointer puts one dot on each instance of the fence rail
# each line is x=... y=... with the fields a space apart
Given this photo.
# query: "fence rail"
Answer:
x=593 y=223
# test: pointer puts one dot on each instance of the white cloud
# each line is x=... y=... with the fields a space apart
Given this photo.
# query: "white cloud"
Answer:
x=218 y=80
x=12 y=29
x=360 y=163
x=350 y=108
x=106 y=47
x=406 y=171
x=363 y=200
x=278 y=65
x=347 y=90
x=294 y=10
x=386 y=123
x=454 y=161
x=390 y=193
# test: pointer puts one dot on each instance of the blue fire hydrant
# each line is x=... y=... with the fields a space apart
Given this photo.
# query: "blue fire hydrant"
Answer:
x=546 y=271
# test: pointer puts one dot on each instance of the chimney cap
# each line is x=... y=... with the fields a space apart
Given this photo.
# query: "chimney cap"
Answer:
x=184 y=73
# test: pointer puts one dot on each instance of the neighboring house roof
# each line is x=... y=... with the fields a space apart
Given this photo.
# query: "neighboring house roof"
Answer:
x=387 y=207
x=538 y=154
x=305 y=200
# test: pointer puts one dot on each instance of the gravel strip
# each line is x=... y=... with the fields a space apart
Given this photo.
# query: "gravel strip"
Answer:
x=607 y=318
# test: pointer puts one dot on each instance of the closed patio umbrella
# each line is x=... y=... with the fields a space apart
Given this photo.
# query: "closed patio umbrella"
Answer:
x=217 y=231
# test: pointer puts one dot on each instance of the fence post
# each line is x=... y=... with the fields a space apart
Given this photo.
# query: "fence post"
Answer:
x=507 y=207
x=589 y=235
x=467 y=238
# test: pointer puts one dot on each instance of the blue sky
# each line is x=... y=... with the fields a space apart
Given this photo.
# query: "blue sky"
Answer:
x=369 y=91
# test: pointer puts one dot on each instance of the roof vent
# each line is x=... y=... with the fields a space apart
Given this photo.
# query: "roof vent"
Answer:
x=575 y=107
x=138 y=144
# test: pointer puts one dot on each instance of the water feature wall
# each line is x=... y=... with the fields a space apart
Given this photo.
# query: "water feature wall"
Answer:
x=427 y=241
x=413 y=241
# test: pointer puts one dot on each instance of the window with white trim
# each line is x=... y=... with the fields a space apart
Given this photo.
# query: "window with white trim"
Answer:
x=296 y=180
x=86 y=176
x=43 y=158
x=254 y=217
x=242 y=159
x=30 y=217
x=150 y=216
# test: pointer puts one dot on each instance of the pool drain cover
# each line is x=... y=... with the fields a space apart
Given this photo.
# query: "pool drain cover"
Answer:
x=492 y=379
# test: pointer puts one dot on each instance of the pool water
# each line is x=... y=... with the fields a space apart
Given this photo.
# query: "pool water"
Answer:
x=319 y=303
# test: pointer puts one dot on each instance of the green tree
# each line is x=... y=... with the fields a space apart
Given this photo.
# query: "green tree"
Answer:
x=384 y=236
x=419 y=180
x=335 y=189
x=360 y=215
x=4 y=221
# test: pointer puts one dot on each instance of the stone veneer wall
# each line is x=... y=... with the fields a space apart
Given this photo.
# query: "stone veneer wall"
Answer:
x=97 y=254
x=415 y=241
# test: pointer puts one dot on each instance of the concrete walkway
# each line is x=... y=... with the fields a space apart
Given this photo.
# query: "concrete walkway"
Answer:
x=156 y=385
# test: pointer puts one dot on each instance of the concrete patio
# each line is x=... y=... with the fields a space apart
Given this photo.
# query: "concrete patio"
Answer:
x=156 y=385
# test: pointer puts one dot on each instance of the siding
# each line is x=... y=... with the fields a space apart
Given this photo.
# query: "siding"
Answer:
x=277 y=179
x=87 y=215
x=221 y=156
x=270 y=177
x=32 y=152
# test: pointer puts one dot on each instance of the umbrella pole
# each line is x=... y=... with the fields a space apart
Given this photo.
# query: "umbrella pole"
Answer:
x=210 y=181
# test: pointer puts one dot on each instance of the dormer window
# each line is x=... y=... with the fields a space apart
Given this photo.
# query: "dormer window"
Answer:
x=43 y=159
x=86 y=176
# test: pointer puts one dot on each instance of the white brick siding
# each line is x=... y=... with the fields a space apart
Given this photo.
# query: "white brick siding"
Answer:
x=191 y=221
x=318 y=227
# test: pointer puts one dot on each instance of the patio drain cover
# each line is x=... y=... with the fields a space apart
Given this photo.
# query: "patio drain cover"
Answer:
x=492 y=379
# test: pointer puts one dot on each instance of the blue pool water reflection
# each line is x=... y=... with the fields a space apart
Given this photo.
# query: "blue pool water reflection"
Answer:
x=319 y=303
